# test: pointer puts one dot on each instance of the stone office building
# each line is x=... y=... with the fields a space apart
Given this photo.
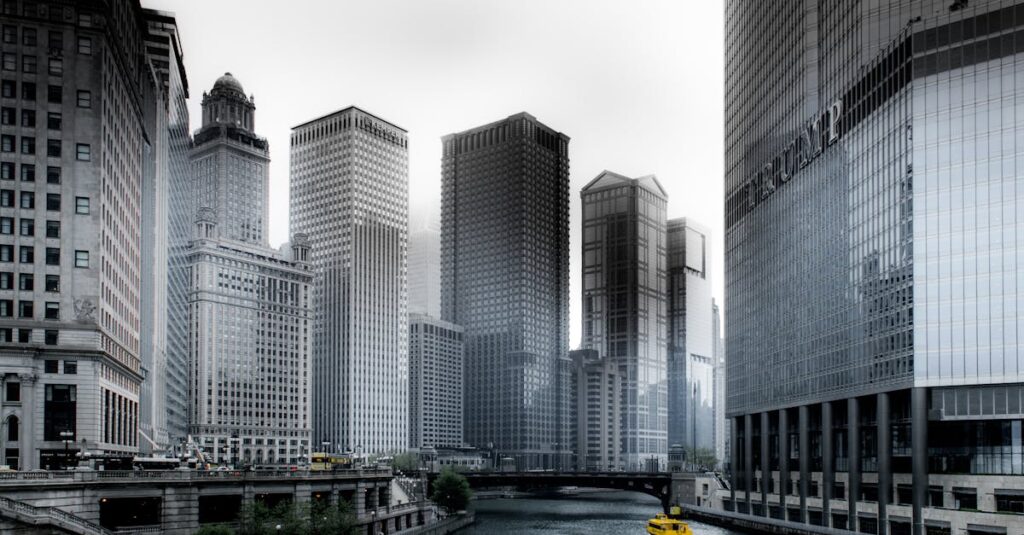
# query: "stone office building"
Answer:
x=873 y=255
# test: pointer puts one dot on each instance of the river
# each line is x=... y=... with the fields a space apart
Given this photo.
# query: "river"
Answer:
x=603 y=513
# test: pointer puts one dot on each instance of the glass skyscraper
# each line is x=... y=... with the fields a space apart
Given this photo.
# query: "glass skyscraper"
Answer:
x=625 y=308
x=874 y=249
x=505 y=279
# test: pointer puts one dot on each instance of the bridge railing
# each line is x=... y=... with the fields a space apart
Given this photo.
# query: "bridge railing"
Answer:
x=16 y=478
x=54 y=515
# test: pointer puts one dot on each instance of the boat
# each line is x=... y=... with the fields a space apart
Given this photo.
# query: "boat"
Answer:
x=662 y=524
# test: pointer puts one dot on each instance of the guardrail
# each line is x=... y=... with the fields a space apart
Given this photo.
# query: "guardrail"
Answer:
x=52 y=516
x=14 y=478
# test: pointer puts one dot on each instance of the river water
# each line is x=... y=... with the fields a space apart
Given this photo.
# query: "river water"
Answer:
x=604 y=513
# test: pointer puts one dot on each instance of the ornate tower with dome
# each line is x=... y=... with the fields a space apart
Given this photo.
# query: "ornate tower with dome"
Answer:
x=231 y=163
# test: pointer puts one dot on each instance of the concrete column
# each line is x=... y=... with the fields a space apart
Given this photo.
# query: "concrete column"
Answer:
x=766 y=467
x=884 y=462
x=783 y=459
x=853 y=447
x=734 y=460
x=748 y=457
x=827 y=469
x=919 y=445
x=804 y=421
x=28 y=457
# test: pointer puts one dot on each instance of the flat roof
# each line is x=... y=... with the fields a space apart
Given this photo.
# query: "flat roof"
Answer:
x=343 y=110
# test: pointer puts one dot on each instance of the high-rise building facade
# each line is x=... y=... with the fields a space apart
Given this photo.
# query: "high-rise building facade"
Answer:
x=166 y=227
x=250 y=306
x=425 y=270
x=350 y=195
x=624 y=307
x=691 y=363
x=873 y=255
x=435 y=383
x=596 y=409
x=73 y=153
x=505 y=279
x=718 y=386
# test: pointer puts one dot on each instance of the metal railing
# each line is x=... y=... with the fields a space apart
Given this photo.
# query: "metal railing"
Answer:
x=53 y=516
x=14 y=478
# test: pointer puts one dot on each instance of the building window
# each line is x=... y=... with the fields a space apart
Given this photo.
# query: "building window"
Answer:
x=6 y=225
x=29 y=64
x=28 y=172
x=70 y=367
x=6 y=334
x=28 y=200
x=53 y=256
x=28 y=91
x=10 y=62
x=27 y=254
x=51 y=366
x=81 y=259
x=6 y=308
x=84 y=99
x=53 y=283
x=85 y=19
x=83 y=152
x=12 y=428
x=6 y=253
x=7 y=198
x=55 y=66
x=964 y=498
x=54 y=94
x=28 y=118
x=53 y=175
x=24 y=336
x=10 y=34
x=26 y=309
x=53 y=202
x=56 y=41
x=53 y=121
x=6 y=280
x=53 y=229
x=8 y=88
x=85 y=46
x=53 y=148
x=59 y=411
x=28 y=227
x=6 y=170
x=52 y=311
x=81 y=205
x=29 y=37
x=26 y=282
x=50 y=337
x=7 y=143
x=7 y=116
x=28 y=145
x=12 y=392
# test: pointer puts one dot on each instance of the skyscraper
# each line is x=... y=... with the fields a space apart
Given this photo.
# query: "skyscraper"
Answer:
x=596 y=397
x=873 y=255
x=691 y=338
x=435 y=383
x=167 y=228
x=505 y=279
x=425 y=270
x=249 y=306
x=350 y=195
x=73 y=153
x=718 y=387
x=624 y=306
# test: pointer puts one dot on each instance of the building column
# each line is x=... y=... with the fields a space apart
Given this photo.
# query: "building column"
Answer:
x=28 y=456
x=884 y=462
x=748 y=458
x=766 y=468
x=734 y=461
x=783 y=460
x=919 y=453
x=805 y=459
x=853 y=471
x=827 y=469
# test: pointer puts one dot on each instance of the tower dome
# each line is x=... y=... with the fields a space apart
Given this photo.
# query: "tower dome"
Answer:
x=228 y=83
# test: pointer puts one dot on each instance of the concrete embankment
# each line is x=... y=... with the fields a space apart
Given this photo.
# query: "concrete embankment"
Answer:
x=443 y=527
x=749 y=524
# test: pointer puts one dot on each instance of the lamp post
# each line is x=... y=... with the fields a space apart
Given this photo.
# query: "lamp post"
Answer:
x=68 y=437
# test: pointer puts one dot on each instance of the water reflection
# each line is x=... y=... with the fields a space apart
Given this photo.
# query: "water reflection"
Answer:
x=585 y=514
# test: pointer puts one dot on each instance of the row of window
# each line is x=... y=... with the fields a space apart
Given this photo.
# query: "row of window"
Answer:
x=9 y=117
x=28 y=172
x=26 y=282
x=50 y=336
x=30 y=64
x=83 y=151
x=54 y=93
x=55 y=40
x=27 y=227
x=27 y=255
x=27 y=200
x=27 y=309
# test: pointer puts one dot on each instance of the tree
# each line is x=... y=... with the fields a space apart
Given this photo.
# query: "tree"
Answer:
x=215 y=529
x=702 y=458
x=451 y=491
x=406 y=462
x=325 y=519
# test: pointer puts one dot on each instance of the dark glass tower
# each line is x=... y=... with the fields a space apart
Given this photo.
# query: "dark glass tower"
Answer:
x=873 y=260
x=505 y=278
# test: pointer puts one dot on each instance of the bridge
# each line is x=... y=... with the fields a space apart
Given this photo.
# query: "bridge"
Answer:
x=671 y=488
x=181 y=501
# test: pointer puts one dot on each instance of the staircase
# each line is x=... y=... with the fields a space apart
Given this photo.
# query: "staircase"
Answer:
x=48 y=516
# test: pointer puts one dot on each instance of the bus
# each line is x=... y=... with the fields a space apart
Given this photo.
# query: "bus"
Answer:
x=156 y=463
x=320 y=461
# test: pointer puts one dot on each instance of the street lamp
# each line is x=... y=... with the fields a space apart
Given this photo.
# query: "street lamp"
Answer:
x=68 y=437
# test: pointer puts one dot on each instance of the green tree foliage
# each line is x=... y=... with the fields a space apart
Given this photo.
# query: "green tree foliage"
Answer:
x=215 y=529
x=407 y=462
x=702 y=458
x=451 y=491
x=295 y=519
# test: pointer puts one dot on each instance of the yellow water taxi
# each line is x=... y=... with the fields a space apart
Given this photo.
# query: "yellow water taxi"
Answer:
x=661 y=524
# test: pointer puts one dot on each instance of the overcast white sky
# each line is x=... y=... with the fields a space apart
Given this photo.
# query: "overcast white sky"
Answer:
x=636 y=85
